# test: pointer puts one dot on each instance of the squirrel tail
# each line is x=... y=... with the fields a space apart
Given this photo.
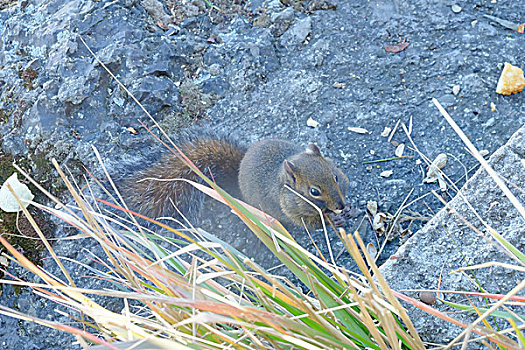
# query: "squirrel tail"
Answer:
x=156 y=190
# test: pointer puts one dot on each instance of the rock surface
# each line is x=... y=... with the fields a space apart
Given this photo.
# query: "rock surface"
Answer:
x=257 y=70
x=427 y=260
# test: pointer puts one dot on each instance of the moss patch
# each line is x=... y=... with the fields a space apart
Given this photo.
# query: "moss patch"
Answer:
x=6 y=4
x=18 y=231
x=4 y=116
x=309 y=6
x=16 y=228
x=194 y=101
x=28 y=75
x=217 y=10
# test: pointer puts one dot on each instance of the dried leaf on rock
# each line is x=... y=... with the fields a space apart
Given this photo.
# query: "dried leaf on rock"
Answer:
x=386 y=173
x=8 y=202
x=358 y=130
x=400 y=149
x=371 y=206
x=434 y=168
x=396 y=48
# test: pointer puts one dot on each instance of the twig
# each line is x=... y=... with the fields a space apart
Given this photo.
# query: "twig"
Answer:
x=394 y=131
x=386 y=159
x=481 y=160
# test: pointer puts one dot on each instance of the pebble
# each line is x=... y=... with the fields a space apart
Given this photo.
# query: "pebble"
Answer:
x=285 y=16
x=455 y=89
x=297 y=34
x=456 y=8
x=214 y=69
x=312 y=123
x=428 y=298
x=490 y=122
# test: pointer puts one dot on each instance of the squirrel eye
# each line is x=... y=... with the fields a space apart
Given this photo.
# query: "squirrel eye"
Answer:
x=315 y=192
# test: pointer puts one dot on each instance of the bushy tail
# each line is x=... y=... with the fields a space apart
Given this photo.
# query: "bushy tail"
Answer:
x=154 y=190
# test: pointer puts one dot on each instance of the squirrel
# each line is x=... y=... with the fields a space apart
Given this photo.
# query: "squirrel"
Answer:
x=262 y=174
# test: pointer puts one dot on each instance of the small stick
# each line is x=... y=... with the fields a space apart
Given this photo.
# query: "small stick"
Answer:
x=386 y=159
x=394 y=131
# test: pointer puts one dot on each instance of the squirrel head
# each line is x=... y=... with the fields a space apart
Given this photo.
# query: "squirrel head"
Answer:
x=317 y=179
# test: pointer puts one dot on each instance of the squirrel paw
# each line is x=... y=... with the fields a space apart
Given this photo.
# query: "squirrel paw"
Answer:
x=349 y=212
x=340 y=220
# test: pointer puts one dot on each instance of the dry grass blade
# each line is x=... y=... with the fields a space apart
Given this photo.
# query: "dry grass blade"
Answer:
x=490 y=264
x=41 y=236
x=496 y=338
x=367 y=319
x=413 y=339
x=40 y=273
x=480 y=294
x=519 y=207
x=192 y=302
x=493 y=308
x=13 y=313
x=503 y=245
x=507 y=248
x=216 y=299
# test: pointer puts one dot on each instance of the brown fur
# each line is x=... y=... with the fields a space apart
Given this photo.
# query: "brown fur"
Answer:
x=263 y=180
x=153 y=198
x=262 y=174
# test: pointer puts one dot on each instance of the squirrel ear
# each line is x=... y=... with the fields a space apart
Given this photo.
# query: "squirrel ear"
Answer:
x=289 y=168
x=313 y=149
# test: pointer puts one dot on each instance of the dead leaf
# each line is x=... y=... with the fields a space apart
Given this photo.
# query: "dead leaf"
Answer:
x=8 y=202
x=372 y=250
x=396 y=48
x=433 y=172
x=386 y=131
x=312 y=123
x=386 y=173
x=371 y=206
x=358 y=130
x=400 y=150
x=442 y=184
x=484 y=152
x=378 y=223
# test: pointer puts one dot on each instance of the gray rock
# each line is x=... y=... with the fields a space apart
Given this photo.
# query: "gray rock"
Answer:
x=156 y=10
x=472 y=83
x=383 y=10
x=214 y=69
x=274 y=4
x=428 y=258
x=285 y=16
x=490 y=122
x=297 y=33
x=75 y=92
x=447 y=100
